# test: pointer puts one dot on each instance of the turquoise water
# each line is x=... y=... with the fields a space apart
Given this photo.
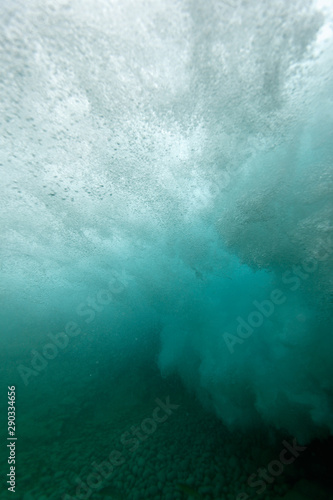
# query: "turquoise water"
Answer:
x=166 y=250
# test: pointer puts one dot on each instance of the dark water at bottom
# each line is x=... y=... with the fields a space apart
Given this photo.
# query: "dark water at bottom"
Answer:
x=130 y=434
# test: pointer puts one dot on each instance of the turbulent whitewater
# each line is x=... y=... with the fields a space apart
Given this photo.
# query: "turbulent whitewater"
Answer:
x=168 y=164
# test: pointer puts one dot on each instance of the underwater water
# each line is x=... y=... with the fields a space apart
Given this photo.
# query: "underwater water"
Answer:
x=166 y=249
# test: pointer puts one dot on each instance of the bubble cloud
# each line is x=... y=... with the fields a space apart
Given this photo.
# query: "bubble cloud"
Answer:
x=186 y=146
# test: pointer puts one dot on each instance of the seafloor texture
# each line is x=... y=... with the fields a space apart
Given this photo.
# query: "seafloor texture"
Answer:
x=166 y=232
x=104 y=435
